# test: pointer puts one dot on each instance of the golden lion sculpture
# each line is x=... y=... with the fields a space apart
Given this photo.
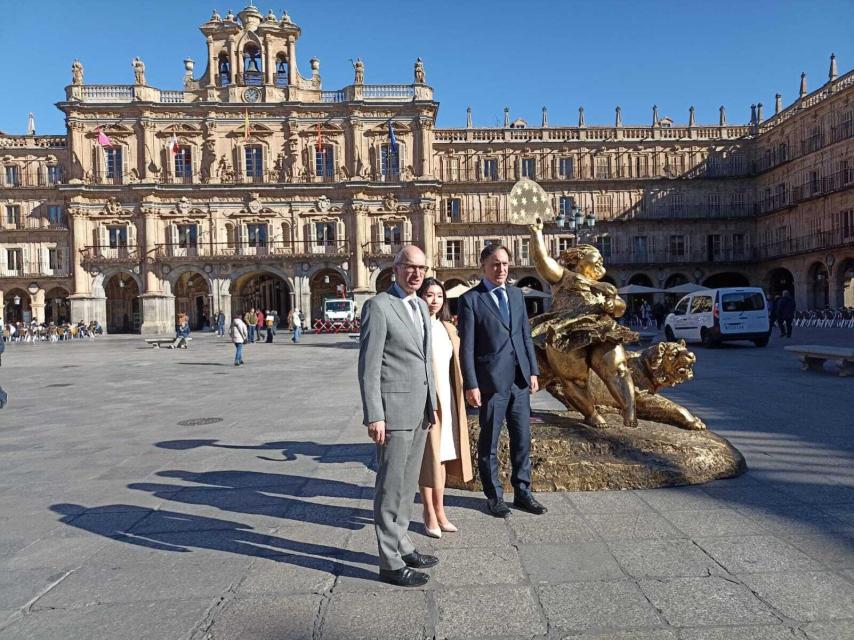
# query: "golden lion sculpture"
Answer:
x=662 y=365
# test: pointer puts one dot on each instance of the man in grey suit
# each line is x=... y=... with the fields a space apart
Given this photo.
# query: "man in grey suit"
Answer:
x=399 y=402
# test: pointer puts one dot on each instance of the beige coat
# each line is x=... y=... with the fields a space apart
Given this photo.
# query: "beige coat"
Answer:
x=461 y=468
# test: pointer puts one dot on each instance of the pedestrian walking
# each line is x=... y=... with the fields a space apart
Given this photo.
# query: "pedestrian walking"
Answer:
x=220 y=323
x=239 y=334
x=259 y=324
x=658 y=314
x=297 y=326
x=646 y=314
x=250 y=320
x=786 y=308
x=268 y=321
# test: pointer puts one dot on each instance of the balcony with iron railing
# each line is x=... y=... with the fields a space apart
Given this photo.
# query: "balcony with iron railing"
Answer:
x=95 y=255
x=229 y=251
x=667 y=257
x=818 y=241
x=31 y=179
x=33 y=269
x=33 y=223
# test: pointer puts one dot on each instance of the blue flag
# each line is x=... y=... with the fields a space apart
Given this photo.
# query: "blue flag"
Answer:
x=392 y=140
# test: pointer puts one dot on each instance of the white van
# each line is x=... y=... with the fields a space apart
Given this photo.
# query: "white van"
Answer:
x=339 y=310
x=714 y=315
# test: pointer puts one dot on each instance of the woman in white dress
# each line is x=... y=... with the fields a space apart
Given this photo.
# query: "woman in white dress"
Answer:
x=447 y=451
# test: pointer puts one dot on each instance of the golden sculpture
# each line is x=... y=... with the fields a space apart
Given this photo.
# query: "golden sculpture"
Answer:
x=665 y=364
x=580 y=332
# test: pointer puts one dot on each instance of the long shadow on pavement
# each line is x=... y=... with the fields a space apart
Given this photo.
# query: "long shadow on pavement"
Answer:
x=176 y=532
x=361 y=452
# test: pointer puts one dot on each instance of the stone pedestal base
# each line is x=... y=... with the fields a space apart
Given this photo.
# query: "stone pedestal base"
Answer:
x=567 y=455
x=158 y=314
x=87 y=308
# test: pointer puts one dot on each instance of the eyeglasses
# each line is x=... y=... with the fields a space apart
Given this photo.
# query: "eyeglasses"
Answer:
x=412 y=268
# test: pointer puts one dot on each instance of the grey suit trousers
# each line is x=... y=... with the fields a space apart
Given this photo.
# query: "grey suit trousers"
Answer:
x=399 y=462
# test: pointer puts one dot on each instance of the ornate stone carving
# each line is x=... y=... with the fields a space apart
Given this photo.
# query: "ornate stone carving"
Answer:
x=138 y=71
x=390 y=202
x=183 y=207
x=323 y=204
x=76 y=72
x=113 y=206
x=358 y=71
x=254 y=205
x=419 y=71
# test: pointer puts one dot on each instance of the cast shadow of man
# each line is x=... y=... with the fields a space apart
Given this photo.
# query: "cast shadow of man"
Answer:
x=172 y=531
x=270 y=494
x=358 y=452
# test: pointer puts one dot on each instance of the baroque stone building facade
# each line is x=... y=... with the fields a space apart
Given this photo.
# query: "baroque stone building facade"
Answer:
x=255 y=186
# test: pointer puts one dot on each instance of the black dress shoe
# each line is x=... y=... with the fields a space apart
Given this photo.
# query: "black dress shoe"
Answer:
x=419 y=560
x=529 y=504
x=498 y=507
x=404 y=577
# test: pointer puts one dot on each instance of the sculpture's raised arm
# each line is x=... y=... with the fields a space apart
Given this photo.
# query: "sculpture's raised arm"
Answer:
x=547 y=266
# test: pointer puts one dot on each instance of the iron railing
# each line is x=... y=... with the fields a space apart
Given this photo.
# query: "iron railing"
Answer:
x=273 y=249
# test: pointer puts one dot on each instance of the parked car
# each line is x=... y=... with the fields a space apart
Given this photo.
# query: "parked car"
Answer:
x=712 y=316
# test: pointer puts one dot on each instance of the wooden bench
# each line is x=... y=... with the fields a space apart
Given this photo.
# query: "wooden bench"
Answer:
x=158 y=342
x=813 y=357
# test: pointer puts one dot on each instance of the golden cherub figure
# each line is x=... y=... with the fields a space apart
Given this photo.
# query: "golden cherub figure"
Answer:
x=580 y=332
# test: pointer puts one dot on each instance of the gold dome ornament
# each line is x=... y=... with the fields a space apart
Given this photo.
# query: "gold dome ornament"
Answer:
x=528 y=201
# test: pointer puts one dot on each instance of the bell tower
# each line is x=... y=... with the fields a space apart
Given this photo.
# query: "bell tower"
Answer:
x=252 y=58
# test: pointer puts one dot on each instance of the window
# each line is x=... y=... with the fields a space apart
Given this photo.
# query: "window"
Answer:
x=54 y=214
x=54 y=174
x=254 y=161
x=565 y=205
x=845 y=172
x=714 y=246
x=639 y=246
x=739 y=244
x=681 y=308
x=736 y=163
x=252 y=65
x=605 y=246
x=490 y=169
x=15 y=259
x=565 y=168
x=491 y=203
x=603 y=167
x=118 y=236
x=453 y=165
x=490 y=241
x=677 y=205
x=641 y=170
x=324 y=161
x=223 y=70
x=742 y=302
x=257 y=235
x=563 y=244
x=736 y=201
x=188 y=235
x=677 y=246
x=453 y=251
x=529 y=168
x=13 y=176
x=603 y=206
x=324 y=234
x=184 y=163
x=390 y=161
x=113 y=160
x=713 y=201
x=52 y=259
x=281 y=71
x=846 y=223
x=701 y=304
x=13 y=215
x=453 y=210
x=525 y=251
x=393 y=234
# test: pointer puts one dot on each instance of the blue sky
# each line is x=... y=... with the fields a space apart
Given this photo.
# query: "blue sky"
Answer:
x=523 y=54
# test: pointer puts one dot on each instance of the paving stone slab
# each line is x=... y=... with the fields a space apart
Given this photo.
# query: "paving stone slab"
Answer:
x=19 y=586
x=777 y=632
x=174 y=619
x=649 y=634
x=709 y=601
x=750 y=496
x=459 y=567
x=678 y=499
x=806 y=519
x=285 y=574
x=607 y=501
x=834 y=550
x=575 y=562
x=486 y=532
x=285 y=617
x=56 y=551
x=464 y=613
x=755 y=554
x=831 y=630
x=581 y=606
x=632 y=526
x=805 y=596
x=549 y=529
x=396 y=614
x=662 y=558
x=712 y=523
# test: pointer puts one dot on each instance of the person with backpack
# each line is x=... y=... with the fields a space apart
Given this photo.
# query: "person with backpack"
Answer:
x=239 y=334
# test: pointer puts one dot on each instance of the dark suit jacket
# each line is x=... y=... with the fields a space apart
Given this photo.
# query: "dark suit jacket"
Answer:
x=490 y=351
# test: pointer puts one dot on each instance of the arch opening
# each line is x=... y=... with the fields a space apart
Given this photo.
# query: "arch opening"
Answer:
x=265 y=291
x=779 y=280
x=56 y=307
x=819 y=286
x=193 y=297
x=16 y=306
x=845 y=283
x=123 y=314
x=726 y=279
x=325 y=285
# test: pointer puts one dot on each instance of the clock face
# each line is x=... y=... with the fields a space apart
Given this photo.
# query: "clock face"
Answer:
x=252 y=95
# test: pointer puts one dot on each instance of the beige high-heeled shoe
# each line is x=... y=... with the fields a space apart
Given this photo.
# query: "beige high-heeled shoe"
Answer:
x=433 y=533
x=448 y=528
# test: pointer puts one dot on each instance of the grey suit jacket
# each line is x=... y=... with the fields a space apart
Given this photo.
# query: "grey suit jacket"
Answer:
x=395 y=367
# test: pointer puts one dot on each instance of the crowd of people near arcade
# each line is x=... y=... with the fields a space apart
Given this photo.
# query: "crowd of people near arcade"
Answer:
x=34 y=331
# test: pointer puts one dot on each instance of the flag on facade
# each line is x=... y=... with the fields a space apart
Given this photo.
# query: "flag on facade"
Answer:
x=319 y=143
x=246 y=124
x=392 y=139
x=173 y=145
x=103 y=138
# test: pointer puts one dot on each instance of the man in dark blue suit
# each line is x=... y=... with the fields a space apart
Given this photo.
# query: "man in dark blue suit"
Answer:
x=499 y=375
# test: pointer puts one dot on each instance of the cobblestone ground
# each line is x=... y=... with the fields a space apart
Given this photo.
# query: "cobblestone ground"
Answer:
x=165 y=494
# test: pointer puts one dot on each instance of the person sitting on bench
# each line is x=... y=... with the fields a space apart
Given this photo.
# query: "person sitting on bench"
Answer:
x=182 y=332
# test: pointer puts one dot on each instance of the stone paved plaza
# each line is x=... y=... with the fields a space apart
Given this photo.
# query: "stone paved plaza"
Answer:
x=158 y=494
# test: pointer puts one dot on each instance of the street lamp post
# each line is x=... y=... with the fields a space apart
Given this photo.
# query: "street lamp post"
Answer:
x=580 y=222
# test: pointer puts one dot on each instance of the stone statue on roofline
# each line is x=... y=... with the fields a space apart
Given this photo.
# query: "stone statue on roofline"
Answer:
x=138 y=71
x=419 y=71
x=359 y=71
x=76 y=72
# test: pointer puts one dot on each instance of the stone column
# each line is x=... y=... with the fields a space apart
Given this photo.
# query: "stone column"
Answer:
x=428 y=229
x=78 y=243
x=358 y=269
x=213 y=67
x=425 y=145
x=292 y=62
x=37 y=305
x=158 y=307
x=149 y=149
x=232 y=60
x=77 y=151
x=268 y=61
